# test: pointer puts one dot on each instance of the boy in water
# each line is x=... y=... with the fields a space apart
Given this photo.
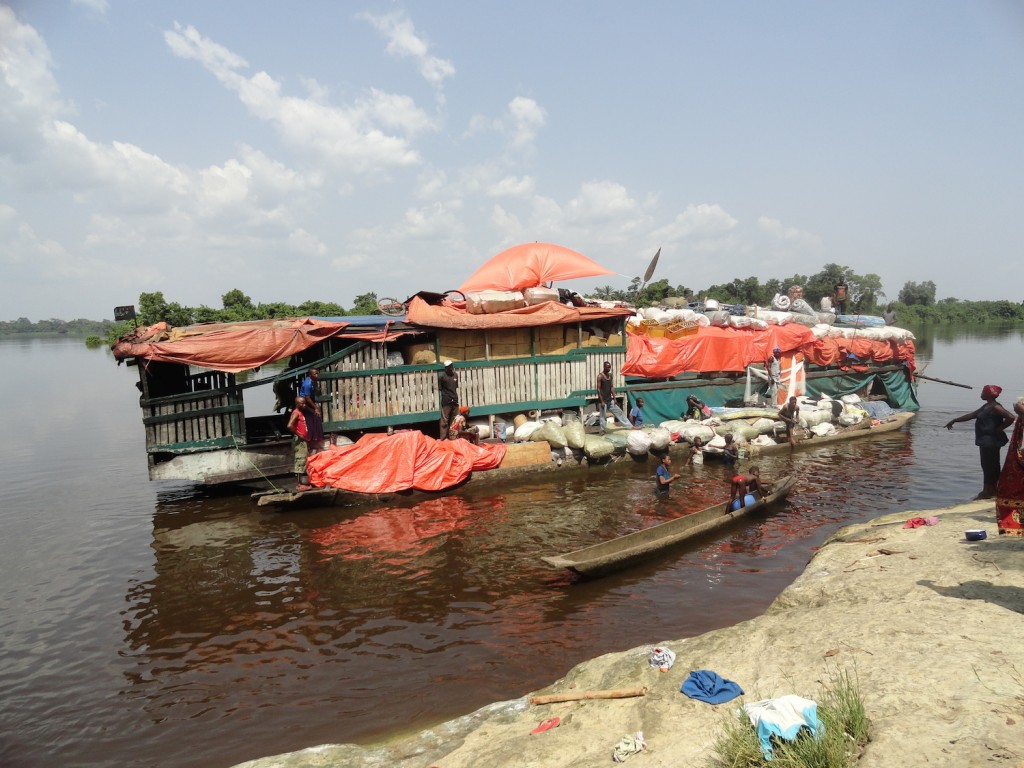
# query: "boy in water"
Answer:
x=742 y=485
x=731 y=452
x=696 y=454
x=664 y=476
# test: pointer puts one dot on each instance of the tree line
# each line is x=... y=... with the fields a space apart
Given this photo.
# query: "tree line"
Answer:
x=915 y=304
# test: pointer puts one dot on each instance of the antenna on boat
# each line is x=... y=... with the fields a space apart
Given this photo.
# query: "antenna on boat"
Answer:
x=649 y=273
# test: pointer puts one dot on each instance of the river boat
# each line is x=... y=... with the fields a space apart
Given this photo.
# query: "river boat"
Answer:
x=624 y=551
x=206 y=390
x=199 y=384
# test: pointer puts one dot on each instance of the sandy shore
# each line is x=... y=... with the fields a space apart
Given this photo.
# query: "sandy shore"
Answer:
x=931 y=625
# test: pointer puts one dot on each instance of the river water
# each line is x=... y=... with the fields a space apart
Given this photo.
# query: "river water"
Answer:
x=153 y=624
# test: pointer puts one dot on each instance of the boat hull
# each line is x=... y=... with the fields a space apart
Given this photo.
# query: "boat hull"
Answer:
x=856 y=432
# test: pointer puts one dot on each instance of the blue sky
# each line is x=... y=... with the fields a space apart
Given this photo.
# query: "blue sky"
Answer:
x=326 y=149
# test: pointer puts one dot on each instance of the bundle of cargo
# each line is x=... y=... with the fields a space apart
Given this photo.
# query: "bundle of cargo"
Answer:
x=462 y=345
x=490 y=302
x=506 y=343
x=539 y=294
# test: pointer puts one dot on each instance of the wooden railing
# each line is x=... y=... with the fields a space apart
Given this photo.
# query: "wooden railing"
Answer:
x=358 y=390
x=194 y=421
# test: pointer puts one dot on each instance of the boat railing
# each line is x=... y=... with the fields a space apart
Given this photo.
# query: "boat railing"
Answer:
x=360 y=389
x=205 y=419
x=360 y=399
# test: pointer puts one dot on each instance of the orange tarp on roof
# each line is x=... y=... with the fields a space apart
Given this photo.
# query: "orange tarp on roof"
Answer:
x=710 y=349
x=733 y=349
x=380 y=463
x=228 y=347
x=838 y=352
x=549 y=313
x=531 y=264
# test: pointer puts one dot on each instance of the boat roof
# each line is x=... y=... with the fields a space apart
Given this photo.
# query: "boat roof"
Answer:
x=241 y=346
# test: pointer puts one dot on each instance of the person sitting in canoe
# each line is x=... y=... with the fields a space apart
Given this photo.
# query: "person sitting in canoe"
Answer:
x=743 y=487
x=664 y=476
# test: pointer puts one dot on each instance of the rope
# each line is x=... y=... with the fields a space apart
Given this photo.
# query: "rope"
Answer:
x=271 y=482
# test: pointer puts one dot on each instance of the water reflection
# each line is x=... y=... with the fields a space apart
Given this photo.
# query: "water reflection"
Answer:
x=161 y=625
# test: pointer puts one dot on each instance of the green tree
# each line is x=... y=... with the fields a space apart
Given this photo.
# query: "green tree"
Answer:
x=917 y=293
x=153 y=308
x=366 y=304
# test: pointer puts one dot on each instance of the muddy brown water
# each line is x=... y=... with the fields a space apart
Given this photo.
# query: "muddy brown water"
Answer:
x=156 y=625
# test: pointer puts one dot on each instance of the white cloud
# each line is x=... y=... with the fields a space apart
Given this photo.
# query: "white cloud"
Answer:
x=351 y=138
x=29 y=95
x=99 y=6
x=603 y=201
x=526 y=118
x=703 y=221
x=776 y=230
x=20 y=244
x=520 y=124
x=513 y=186
x=404 y=42
x=303 y=243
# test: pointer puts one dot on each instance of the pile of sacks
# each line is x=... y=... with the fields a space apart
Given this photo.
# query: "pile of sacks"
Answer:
x=755 y=425
x=568 y=439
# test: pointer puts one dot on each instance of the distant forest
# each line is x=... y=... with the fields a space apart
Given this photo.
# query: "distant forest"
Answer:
x=915 y=304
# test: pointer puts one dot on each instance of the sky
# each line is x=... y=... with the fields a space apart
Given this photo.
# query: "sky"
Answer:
x=323 y=150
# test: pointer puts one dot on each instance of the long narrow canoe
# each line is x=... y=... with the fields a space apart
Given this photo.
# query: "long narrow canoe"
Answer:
x=627 y=550
x=857 y=431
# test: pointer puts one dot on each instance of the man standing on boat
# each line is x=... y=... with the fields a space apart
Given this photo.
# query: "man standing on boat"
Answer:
x=774 y=375
x=606 y=398
x=448 y=385
x=839 y=297
x=790 y=415
x=308 y=436
x=314 y=419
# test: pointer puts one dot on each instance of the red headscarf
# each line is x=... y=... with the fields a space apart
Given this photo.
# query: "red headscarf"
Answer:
x=990 y=391
x=464 y=410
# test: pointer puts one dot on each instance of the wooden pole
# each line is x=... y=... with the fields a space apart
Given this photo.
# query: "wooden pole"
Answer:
x=620 y=693
x=942 y=381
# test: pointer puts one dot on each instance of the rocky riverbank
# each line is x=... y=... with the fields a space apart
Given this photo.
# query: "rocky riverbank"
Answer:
x=930 y=625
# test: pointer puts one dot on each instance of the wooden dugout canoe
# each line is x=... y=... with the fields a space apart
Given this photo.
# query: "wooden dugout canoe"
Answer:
x=857 y=431
x=627 y=550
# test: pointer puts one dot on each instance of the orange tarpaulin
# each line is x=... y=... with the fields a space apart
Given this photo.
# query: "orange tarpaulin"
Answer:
x=855 y=353
x=530 y=264
x=733 y=349
x=380 y=463
x=228 y=347
x=549 y=313
x=710 y=349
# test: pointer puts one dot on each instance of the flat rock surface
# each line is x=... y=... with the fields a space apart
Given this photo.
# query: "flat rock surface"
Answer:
x=931 y=626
